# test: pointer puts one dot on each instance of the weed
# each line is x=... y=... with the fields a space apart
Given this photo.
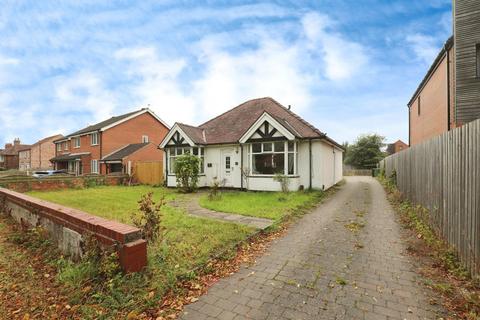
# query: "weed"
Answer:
x=354 y=226
x=341 y=281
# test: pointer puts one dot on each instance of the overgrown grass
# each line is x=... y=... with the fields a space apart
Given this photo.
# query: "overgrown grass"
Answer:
x=446 y=274
x=270 y=205
x=187 y=244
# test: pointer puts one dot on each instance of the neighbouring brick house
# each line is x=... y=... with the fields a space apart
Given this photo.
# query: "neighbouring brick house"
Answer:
x=107 y=146
x=24 y=163
x=9 y=157
x=449 y=94
x=397 y=146
x=42 y=151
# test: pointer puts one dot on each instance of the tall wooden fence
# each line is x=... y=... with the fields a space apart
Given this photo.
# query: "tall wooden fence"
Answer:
x=443 y=175
x=148 y=172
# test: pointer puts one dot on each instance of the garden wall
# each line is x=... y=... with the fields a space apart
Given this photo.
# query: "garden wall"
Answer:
x=24 y=183
x=69 y=227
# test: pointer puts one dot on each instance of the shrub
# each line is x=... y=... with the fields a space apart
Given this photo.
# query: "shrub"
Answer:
x=214 y=193
x=149 y=217
x=187 y=167
x=284 y=181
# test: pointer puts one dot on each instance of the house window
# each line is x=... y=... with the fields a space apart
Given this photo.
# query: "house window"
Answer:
x=1 y=158
x=173 y=153
x=477 y=51
x=268 y=158
x=76 y=142
x=94 y=166
x=94 y=139
x=59 y=147
x=419 y=105
x=65 y=147
x=144 y=139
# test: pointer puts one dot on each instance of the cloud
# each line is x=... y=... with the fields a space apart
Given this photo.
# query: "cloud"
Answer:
x=235 y=66
x=343 y=58
x=425 y=47
x=156 y=83
x=86 y=92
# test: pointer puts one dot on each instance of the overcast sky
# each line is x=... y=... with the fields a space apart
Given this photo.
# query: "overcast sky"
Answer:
x=347 y=66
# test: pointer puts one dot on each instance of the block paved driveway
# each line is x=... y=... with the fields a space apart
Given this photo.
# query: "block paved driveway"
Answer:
x=328 y=267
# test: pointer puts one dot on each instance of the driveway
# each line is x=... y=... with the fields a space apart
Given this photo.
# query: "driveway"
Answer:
x=344 y=260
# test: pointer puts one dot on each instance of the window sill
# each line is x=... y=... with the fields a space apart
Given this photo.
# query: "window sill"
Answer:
x=174 y=175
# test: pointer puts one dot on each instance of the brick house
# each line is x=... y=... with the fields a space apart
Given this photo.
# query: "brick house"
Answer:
x=24 y=162
x=397 y=146
x=42 y=151
x=93 y=149
x=9 y=157
x=449 y=94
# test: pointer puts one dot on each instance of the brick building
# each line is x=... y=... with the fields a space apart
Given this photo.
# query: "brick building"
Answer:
x=90 y=149
x=397 y=146
x=9 y=157
x=449 y=94
x=42 y=151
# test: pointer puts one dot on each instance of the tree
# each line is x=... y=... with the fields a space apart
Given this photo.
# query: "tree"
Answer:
x=187 y=168
x=366 y=152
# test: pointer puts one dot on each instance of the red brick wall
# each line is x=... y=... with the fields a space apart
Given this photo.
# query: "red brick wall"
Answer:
x=147 y=153
x=42 y=152
x=132 y=131
x=132 y=249
x=432 y=120
x=25 y=184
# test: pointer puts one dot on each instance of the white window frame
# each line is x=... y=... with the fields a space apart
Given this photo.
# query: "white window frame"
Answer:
x=94 y=139
x=76 y=142
x=59 y=146
x=66 y=146
x=285 y=151
x=145 y=139
x=200 y=155
x=94 y=168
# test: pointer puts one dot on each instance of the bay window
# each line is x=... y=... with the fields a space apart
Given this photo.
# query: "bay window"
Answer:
x=173 y=153
x=269 y=158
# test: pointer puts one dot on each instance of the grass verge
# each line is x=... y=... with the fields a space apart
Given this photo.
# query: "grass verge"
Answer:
x=438 y=262
x=269 y=205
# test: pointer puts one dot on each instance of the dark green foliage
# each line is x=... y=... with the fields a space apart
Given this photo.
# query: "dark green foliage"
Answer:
x=187 y=168
x=366 y=152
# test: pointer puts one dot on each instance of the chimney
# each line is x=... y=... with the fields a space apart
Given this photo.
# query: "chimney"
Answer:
x=16 y=142
x=8 y=145
x=289 y=107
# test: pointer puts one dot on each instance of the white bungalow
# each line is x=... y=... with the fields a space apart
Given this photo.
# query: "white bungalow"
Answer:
x=246 y=146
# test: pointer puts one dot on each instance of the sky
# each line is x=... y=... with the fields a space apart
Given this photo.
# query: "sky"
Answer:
x=349 y=67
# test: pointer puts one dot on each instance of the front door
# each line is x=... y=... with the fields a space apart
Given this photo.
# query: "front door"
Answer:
x=227 y=169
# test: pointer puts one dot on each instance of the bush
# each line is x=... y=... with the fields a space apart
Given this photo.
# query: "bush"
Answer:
x=187 y=168
x=149 y=217
x=284 y=181
x=214 y=193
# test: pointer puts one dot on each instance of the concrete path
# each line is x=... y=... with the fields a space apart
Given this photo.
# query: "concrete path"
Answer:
x=345 y=260
x=193 y=208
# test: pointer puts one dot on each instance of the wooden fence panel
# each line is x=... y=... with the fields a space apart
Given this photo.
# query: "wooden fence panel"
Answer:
x=443 y=175
x=149 y=172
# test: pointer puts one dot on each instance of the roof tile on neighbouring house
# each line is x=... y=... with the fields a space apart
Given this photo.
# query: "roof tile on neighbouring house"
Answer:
x=124 y=152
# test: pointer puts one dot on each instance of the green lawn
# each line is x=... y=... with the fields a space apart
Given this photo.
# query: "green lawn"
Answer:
x=188 y=241
x=270 y=205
